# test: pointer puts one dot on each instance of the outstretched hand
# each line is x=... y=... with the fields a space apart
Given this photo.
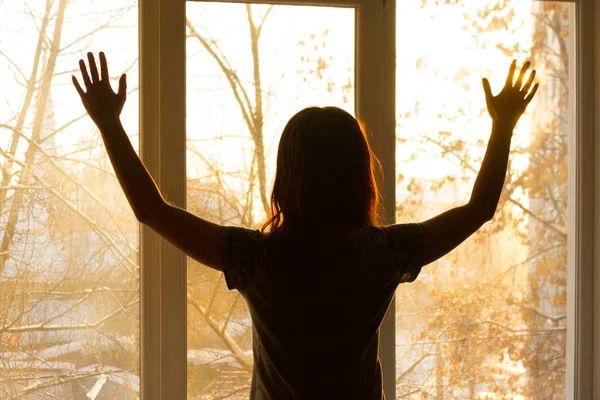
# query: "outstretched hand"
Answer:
x=508 y=106
x=101 y=103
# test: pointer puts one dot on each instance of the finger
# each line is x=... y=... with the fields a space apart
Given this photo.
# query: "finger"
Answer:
x=487 y=89
x=524 y=68
x=530 y=95
x=103 y=67
x=93 y=67
x=122 y=86
x=511 y=74
x=84 y=74
x=78 y=86
x=529 y=82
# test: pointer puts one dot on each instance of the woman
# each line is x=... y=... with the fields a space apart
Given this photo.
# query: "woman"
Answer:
x=320 y=275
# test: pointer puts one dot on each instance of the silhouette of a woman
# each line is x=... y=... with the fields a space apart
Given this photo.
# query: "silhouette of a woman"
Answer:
x=321 y=273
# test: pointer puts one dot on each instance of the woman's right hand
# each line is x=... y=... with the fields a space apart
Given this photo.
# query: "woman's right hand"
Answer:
x=100 y=101
x=508 y=105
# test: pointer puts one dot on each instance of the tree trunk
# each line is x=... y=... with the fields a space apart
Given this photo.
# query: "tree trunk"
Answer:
x=26 y=172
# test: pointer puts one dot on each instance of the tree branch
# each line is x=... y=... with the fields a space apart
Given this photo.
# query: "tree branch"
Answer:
x=241 y=357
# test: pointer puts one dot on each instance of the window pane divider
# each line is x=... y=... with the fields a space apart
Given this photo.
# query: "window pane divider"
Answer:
x=583 y=373
x=162 y=147
x=149 y=248
x=375 y=102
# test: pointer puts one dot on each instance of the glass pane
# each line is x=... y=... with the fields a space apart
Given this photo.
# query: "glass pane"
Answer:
x=489 y=319
x=249 y=69
x=69 y=322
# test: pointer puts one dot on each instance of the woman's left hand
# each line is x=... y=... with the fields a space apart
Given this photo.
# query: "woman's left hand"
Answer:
x=101 y=103
x=510 y=104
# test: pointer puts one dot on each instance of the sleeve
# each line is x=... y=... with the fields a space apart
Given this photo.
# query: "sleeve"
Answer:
x=240 y=251
x=408 y=246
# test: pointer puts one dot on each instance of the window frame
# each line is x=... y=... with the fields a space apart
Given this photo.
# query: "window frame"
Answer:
x=163 y=314
x=162 y=148
x=583 y=363
x=162 y=267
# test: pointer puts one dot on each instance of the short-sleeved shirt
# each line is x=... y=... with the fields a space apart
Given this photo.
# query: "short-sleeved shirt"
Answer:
x=316 y=305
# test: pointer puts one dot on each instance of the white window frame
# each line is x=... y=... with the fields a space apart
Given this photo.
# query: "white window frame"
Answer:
x=163 y=322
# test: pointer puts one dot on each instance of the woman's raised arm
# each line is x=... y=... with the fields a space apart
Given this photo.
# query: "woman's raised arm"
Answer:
x=447 y=230
x=196 y=237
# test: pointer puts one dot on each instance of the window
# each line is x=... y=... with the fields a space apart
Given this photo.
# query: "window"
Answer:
x=69 y=325
x=490 y=318
x=509 y=312
x=249 y=69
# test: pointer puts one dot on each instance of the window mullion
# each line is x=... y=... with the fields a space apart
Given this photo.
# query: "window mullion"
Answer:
x=172 y=178
x=375 y=102
x=162 y=148
x=149 y=241
x=584 y=340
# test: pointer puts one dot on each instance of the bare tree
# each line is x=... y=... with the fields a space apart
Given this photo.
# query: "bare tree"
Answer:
x=492 y=314
x=68 y=267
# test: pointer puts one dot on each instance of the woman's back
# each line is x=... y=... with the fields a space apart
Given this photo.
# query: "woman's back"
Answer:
x=316 y=302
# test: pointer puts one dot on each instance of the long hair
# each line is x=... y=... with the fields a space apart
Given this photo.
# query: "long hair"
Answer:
x=325 y=173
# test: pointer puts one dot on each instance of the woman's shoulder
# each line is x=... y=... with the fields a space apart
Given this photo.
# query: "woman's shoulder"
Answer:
x=236 y=238
x=240 y=233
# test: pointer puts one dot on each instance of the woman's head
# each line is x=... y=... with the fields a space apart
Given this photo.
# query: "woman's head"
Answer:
x=325 y=172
